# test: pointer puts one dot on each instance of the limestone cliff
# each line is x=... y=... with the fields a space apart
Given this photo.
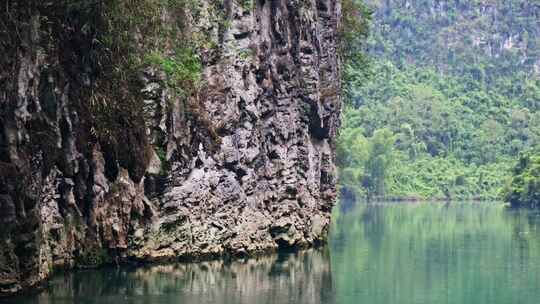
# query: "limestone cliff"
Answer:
x=98 y=165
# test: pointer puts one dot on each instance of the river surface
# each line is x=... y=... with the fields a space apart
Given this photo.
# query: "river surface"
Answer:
x=377 y=254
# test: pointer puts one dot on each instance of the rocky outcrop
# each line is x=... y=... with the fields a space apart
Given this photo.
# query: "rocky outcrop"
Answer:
x=243 y=165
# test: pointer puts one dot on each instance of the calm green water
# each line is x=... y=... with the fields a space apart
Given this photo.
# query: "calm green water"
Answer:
x=378 y=254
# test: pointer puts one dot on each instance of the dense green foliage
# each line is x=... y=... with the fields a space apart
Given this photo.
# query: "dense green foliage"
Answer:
x=183 y=69
x=354 y=30
x=524 y=188
x=453 y=125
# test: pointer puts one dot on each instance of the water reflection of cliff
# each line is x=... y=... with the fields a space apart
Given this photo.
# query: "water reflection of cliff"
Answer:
x=303 y=277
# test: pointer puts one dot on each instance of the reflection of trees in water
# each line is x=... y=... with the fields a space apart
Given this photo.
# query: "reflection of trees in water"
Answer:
x=302 y=277
x=525 y=225
x=402 y=252
x=347 y=204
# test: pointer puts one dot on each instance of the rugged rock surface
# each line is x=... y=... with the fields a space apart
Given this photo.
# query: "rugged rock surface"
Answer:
x=252 y=172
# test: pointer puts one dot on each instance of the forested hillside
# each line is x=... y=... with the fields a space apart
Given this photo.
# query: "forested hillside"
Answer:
x=451 y=99
x=484 y=39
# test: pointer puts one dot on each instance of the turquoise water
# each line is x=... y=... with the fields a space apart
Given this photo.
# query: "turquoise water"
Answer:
x=377 y=254
x=436 y=253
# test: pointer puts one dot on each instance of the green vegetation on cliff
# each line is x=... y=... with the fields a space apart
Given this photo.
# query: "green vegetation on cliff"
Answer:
x=454 y=94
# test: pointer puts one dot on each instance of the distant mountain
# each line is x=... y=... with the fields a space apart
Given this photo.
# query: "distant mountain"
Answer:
x=483 y=38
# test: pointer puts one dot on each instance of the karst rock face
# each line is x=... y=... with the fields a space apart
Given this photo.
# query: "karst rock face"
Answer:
x=249 y=169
